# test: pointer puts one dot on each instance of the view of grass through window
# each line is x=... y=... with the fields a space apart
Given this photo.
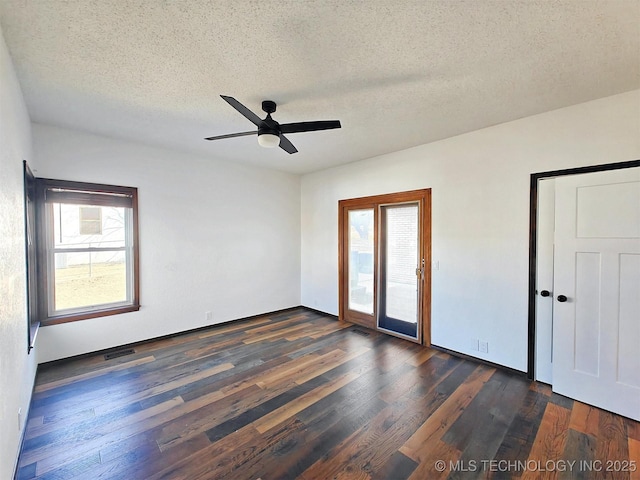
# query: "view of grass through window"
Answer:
x=90 y=284
x=89 y=256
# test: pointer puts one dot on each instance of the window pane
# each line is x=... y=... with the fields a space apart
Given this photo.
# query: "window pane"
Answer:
x=89 y=279
x=361 y=260
x=401 y=288
x=81 y=226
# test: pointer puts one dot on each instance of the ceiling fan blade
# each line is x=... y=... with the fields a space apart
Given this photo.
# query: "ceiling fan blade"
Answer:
x=286 y=145
x=309 y=126
x=231 y=135
x=253 y=118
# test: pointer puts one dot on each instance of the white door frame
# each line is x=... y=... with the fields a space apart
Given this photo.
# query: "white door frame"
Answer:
x=533 y=215
x=544 y=280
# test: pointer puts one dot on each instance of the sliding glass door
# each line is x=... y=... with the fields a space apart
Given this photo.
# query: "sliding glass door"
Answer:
x=400 y=269
x=384 y=247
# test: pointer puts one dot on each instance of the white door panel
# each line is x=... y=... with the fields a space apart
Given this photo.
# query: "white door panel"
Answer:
x=627 y=371
x=596 y=331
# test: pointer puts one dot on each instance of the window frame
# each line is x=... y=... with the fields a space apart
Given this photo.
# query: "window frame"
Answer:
x=101 y=195
x=31 y=255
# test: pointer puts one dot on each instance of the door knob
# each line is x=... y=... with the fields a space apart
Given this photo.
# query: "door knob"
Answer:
x=562 y=298
x=545 y=293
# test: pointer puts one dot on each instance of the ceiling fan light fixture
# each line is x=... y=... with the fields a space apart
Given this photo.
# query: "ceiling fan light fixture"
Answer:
x=271 y=133
x=268 y=140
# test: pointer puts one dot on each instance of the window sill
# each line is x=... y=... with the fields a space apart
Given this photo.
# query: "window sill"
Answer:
x=74 y=317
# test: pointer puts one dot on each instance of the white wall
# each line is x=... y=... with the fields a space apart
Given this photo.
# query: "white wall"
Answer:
x=17 y=368
x=213 y=237
x=480 y=220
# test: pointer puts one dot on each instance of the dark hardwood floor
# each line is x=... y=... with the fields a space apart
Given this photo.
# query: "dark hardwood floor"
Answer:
x=301 y=395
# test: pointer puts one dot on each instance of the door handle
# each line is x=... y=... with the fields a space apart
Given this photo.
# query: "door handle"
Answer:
x=562 y=298
x=545 y=293
x=420 y=270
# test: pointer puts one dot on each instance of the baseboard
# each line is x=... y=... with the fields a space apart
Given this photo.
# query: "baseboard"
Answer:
x=163 y=337
x=26 y=422
x=445 y=350
x=320 y=312
x=480 y=360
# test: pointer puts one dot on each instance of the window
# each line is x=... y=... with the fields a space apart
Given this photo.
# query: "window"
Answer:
x=88 y=250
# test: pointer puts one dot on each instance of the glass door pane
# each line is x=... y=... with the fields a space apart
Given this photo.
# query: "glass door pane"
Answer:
x=361 y=260
x=400 y=241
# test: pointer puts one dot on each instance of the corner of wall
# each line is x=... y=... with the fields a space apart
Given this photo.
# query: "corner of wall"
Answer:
x=17 y=367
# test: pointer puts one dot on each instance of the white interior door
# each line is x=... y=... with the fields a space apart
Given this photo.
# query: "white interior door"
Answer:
x=596 y=312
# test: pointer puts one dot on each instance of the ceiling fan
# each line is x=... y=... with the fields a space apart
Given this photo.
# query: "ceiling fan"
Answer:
x=271 y=133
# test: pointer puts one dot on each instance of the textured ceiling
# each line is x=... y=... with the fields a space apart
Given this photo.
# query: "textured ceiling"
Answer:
x=397 y=73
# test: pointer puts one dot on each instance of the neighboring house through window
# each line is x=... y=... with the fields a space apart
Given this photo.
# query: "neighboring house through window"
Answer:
x=90 y=220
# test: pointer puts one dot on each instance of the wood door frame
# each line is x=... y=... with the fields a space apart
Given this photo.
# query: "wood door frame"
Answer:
x=423 y=197
x=533 y=230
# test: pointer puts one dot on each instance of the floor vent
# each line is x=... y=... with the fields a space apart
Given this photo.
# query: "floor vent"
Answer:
x=119 y=353
x=360 y=332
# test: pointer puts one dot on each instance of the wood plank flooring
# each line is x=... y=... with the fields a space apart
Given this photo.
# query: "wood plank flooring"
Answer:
x=301 y=395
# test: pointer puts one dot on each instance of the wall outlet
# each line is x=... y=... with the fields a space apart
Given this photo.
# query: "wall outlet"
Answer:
x=483 y=346
x=19 y=419
x=208 y=316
